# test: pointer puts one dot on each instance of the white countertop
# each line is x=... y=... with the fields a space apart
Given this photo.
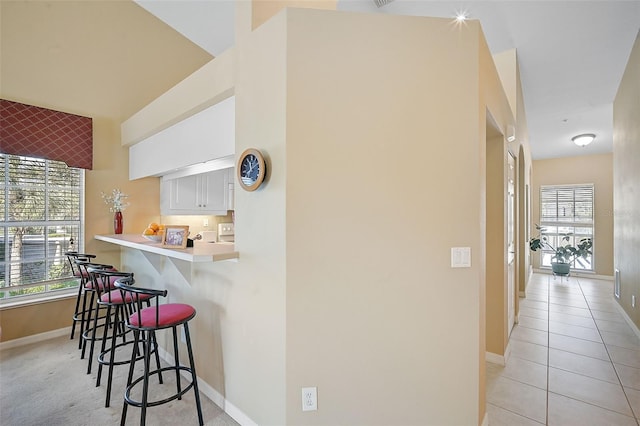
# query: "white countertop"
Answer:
x=201 y=252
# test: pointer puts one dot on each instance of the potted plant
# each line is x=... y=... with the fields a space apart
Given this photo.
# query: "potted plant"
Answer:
x=565 y=253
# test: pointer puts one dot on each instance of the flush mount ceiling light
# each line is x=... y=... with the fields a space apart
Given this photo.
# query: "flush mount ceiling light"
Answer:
x=381 y=3
x=583 y=139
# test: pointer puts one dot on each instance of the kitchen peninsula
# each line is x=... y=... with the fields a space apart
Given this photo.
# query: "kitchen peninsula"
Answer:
x=201 y=252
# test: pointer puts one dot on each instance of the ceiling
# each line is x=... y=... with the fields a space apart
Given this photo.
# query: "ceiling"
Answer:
x=572 y=54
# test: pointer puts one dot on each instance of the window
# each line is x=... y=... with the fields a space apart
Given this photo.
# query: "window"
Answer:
x=41 y=217
x=567 y=209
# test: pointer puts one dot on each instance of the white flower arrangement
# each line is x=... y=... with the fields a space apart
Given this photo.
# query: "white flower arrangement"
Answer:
x=116 y=200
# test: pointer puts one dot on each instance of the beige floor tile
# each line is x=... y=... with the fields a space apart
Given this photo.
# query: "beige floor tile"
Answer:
x=534 y=304
x=526 y=400
x=603 y=306
x=624 y=356
x=534 y=313
x=582 y=312
x=622 y=340
x=576 y=301
x=634 y=399
x=530 y=335
x=501 y=417
x=530 y=322
x=629 y=376
x=599 y=298
x=536 y=289
x=614 y=326
x=572 y=319
x=565 y=411
x=537 y=297
x=586 y=389
x=562 y=291
x=578 y=346
x=575 y=331
x=580 y=364
x=528 y=351
x=609 y=316
x=493 y=371
x=525 y=371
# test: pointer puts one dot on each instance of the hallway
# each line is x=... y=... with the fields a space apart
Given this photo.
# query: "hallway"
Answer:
x=574 y=360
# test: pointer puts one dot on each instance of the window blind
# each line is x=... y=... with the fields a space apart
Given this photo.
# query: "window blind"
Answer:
x=41 y=219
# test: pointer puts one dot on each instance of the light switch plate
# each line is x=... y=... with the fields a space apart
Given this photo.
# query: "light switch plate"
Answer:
x=460 y=257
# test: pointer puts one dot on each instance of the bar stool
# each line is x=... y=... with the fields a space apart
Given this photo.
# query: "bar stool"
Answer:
x=116 y=310
x=72 y=256
x=91 y=291
x=148 y=321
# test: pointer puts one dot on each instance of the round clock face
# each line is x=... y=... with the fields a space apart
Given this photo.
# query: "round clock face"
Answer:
x=251 y=169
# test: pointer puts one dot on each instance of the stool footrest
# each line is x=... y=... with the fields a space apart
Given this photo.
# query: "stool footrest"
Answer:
x=178 y=395
x=127 y=360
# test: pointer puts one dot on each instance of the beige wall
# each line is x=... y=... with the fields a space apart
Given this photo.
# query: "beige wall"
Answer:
x=365 y=308
x=496 y=288
x=626 y=166
x=596 y=169
x=17 y=322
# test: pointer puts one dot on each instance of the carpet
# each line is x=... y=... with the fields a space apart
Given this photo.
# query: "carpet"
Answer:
x=46 y=383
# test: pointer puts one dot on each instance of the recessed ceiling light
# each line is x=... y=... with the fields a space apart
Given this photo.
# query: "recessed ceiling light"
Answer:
x=583 y=139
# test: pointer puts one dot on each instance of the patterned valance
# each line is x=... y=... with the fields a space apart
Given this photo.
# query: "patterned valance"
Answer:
x=44 y=133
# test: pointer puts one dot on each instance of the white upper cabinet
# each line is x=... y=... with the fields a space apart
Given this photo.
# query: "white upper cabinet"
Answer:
x=201 y=194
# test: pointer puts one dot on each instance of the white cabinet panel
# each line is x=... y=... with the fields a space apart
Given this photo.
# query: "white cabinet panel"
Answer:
x=201 y=194
x=205 y=136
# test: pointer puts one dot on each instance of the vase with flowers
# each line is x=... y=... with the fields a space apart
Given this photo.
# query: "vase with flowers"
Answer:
x=117 y=203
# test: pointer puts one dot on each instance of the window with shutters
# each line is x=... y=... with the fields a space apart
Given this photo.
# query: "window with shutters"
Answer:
x=41 y=218
x=567 y=209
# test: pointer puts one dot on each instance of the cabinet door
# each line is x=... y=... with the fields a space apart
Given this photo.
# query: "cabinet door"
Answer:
x=184 y=193
x=213 y=192
x=231 y=189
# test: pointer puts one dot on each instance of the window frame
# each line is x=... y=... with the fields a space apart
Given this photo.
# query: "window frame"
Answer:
x=72 y=224
x=568 y=225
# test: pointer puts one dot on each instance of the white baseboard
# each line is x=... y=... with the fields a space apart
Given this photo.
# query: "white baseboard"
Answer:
x=485 y=420
x=216 y=397
x=499 y=359
x=35 y=338
x=627 y=318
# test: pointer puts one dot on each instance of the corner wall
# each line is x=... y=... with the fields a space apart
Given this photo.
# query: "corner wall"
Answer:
x=385 y=130
x=626 y=166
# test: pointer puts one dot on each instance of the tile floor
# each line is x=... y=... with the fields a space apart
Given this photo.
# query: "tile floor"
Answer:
x=574 y=360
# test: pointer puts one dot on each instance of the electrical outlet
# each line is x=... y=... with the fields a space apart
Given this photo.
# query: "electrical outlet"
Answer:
x=183 y=337
x=205 y=223
x=309 y=399
x=633 y=300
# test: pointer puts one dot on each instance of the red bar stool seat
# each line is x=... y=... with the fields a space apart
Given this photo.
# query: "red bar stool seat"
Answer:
x=144 y=322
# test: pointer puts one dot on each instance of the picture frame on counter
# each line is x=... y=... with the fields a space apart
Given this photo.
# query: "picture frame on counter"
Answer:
x=175 y=236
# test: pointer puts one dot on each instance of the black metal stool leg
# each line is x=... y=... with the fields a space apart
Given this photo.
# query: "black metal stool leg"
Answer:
x=145 y=380
x=194 y=377
x=134 y=355
x=176 y=360
x=75 y=318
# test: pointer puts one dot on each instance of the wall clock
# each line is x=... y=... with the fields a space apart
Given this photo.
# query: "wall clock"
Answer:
x=251 y=169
